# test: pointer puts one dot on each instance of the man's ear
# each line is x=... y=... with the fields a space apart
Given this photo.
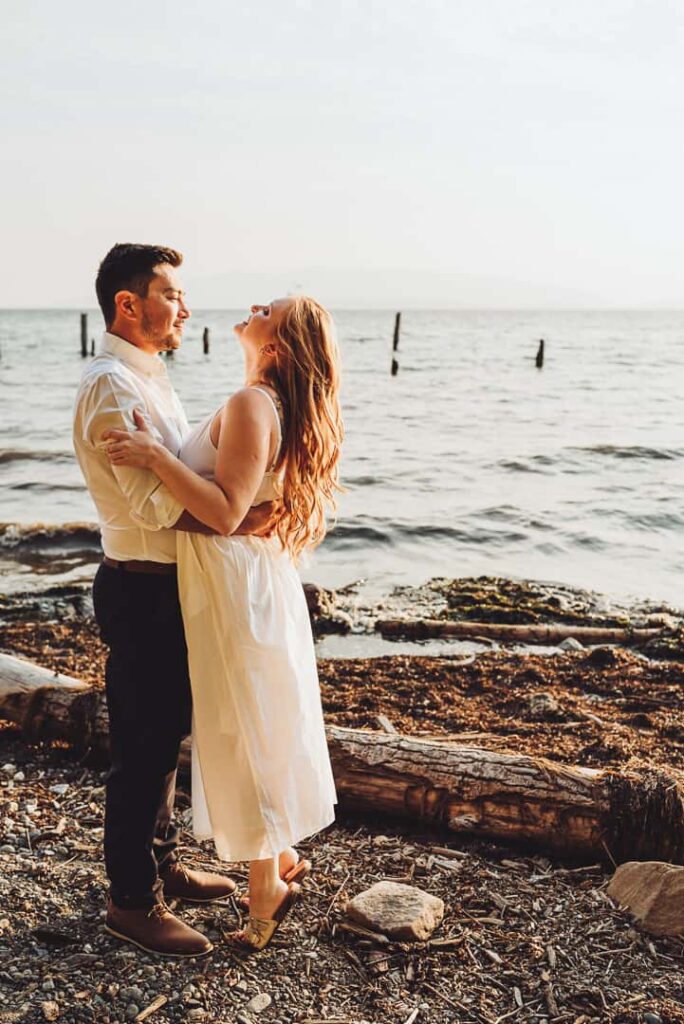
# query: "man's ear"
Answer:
x=126 y=303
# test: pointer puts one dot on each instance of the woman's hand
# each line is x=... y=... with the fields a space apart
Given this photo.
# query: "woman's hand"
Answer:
x=133 y=448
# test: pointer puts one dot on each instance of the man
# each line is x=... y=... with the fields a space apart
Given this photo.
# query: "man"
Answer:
x=136 y=600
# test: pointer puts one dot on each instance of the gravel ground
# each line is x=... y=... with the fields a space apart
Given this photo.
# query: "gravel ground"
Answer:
x=523 y=939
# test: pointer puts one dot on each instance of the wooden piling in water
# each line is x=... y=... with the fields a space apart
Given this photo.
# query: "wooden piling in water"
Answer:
x=84 y=335
x=397 y=324
x=395 y=344
x=205 y=341
x=539 y=361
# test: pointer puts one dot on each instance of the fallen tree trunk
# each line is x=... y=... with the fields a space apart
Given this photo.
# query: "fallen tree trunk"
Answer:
x=424 y=629
x=47 y=705
x=573 y=811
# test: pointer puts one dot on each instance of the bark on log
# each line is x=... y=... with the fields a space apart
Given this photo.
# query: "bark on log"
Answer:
x=424 y=629
x=573 y=811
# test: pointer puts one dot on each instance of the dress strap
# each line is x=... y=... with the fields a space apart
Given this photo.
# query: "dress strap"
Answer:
x=277 y=410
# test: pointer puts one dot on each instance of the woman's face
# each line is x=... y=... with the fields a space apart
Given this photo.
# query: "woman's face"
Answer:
x=260 y=327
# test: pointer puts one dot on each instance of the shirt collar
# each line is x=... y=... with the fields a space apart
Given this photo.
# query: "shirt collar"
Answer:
x=145 y=362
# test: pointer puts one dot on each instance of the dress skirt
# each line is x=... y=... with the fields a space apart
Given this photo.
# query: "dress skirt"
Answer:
x=261 y=774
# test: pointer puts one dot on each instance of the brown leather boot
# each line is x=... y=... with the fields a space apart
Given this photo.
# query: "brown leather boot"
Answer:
x=156 y=930
x=195 y=886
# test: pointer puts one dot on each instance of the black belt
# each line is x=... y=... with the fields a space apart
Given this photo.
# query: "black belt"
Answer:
x=160 y=568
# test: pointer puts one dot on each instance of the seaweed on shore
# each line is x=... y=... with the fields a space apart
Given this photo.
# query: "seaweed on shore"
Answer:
x=522 y=602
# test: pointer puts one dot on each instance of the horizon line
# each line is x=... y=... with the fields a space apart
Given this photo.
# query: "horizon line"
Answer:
x=393 y=309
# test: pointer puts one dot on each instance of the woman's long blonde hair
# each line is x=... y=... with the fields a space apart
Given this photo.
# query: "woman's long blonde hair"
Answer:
x=306 y=376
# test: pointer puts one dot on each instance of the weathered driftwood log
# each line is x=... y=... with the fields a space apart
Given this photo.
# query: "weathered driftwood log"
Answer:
x=424 y=629
x=575 y=811
x=50 y=706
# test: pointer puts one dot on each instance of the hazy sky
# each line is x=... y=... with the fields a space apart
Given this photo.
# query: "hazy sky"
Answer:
x=378 y=153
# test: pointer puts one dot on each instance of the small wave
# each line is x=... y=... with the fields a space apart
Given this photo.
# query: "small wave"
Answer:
x=41 y=487
x=19 y=535
x=533 y=464
x=363 y=481
x=631 y=451
x=387 y=533
x=9 y=455
x=666 y=522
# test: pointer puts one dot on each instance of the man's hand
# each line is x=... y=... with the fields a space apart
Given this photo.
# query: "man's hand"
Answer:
x=132 y=448
x=261 y=520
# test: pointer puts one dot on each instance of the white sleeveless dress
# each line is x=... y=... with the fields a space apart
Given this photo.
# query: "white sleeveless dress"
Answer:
x=261 y=774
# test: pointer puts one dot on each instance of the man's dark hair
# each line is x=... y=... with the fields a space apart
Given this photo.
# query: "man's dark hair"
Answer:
x=129 y=267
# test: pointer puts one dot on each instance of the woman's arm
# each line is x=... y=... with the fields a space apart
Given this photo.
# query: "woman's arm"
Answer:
x=242 y=458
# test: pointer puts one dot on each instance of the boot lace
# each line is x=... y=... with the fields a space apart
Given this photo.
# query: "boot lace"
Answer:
x=181 y=868
x=158 y=910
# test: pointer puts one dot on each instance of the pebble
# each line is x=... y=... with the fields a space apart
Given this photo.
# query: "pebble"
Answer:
x=48 y=985
x=60 y=788
x=652 y=1018
x=7 y=848
x=9 y=768
x=196 y=1014
x=261 y=1001
x=132 y=1011
x=19 y=776
x=132 y=993
x=50 y=1010
x=570 y=644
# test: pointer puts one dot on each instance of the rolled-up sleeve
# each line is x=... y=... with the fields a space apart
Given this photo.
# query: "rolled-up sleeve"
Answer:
x=109 y=405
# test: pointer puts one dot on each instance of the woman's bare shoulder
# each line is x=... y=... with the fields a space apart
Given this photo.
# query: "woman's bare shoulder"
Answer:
x=248 y=401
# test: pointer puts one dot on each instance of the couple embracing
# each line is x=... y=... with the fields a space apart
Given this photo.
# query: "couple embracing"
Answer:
x=199 y=601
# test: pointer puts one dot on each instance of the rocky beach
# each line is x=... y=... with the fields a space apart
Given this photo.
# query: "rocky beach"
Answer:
x=526 y=935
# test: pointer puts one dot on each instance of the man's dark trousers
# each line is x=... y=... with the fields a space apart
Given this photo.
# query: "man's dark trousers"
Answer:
x=150 y=711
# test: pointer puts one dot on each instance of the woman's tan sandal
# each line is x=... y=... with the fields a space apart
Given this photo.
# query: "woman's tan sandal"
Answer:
x=259 y=931
x=297 y=873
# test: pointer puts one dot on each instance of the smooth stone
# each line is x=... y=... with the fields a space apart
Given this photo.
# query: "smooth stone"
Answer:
x=132 y=992
x=397 y=910
x=570 y=644
x=50 y=1010
x=653 y=891
x=258 y=1003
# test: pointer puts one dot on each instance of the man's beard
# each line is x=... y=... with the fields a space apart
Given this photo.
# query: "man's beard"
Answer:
x=167 y=344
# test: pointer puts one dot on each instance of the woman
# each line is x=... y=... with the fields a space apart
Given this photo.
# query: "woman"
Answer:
x=261 y=772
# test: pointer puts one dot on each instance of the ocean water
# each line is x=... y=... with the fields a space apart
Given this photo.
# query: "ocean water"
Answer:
x=469 y=461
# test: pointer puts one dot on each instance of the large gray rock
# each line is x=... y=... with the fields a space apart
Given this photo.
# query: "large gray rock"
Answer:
x=654 y=893
x=399 y=911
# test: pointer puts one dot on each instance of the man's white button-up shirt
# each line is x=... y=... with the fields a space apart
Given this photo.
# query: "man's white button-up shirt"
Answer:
x=135 y=509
